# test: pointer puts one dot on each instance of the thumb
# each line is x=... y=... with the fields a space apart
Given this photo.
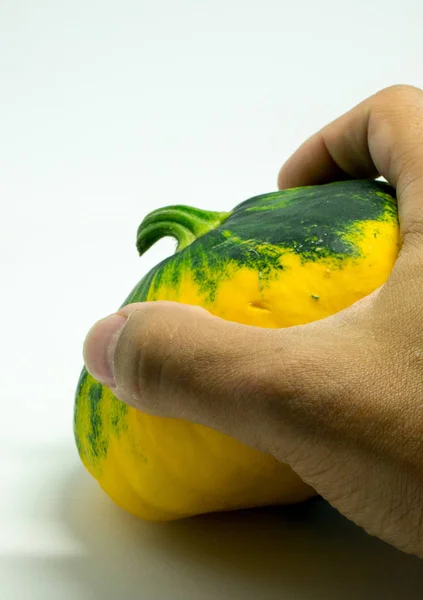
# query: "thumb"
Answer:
x=308 y=395
x=181 y=361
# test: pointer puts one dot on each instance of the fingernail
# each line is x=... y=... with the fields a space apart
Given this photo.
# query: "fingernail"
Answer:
x=99 y=348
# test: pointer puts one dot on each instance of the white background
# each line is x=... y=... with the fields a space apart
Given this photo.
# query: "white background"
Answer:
x=108 y=110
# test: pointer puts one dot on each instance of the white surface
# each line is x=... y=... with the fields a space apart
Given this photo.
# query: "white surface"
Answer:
x=109 y=109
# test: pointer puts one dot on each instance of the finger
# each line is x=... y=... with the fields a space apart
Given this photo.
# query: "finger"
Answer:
x=381 y=136
x=180 y=361
x=338 y=151
x=161 y=357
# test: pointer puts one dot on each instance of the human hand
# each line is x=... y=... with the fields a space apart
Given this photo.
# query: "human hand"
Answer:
x=339 y=400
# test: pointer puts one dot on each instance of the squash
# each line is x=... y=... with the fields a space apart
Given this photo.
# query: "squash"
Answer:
x=277 y=260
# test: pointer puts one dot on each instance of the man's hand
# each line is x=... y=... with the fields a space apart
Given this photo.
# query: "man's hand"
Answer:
x=340 y=400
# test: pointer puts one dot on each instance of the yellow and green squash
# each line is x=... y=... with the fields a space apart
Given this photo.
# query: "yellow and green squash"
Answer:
x=277 y=260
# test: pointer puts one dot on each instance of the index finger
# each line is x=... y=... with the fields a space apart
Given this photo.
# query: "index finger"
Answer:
x=383 y=135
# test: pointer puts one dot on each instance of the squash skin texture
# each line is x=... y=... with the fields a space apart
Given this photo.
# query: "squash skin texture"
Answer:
x=277 y=260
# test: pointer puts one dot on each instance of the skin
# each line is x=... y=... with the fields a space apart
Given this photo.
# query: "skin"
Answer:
x=340 y=400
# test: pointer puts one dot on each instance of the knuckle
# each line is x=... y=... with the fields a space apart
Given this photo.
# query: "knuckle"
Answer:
x=396 y=91
x=395 y=129
x=412 y=238
x=164 y=350
x=400 y=107
x=140 y=353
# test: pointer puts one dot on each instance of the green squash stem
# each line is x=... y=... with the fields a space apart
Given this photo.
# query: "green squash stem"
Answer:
x=183 y=223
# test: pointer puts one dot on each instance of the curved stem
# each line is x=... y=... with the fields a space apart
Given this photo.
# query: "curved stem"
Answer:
x=183 y=223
